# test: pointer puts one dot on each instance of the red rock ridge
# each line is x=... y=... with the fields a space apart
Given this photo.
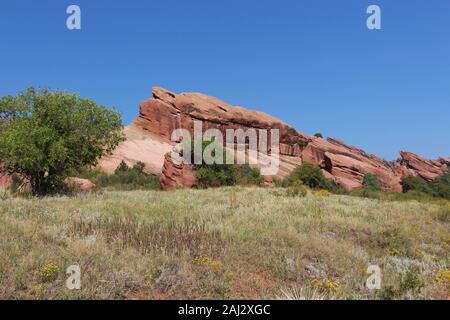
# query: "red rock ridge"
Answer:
x=345 y=164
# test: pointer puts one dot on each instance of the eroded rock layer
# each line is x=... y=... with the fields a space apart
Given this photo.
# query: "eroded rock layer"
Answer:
x=347 y=165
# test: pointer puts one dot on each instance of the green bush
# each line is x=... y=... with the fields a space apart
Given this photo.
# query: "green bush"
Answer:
x=251 y=176
x=416 y=184
x=318 y=135
x=441 y=186
x=371 y=183
x=312 y=177
x=214 y=175
x=124 y=178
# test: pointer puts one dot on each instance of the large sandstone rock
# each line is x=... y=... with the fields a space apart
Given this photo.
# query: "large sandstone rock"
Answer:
x=167 y=111
x=150 y=133
x=426 y=169
x=177 y=175
x=140 y=145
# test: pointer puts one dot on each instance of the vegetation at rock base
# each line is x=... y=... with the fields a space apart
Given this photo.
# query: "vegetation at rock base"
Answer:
x=124 y=178
x=416 y=184
x=46 y=134
x=222 y=174
x=312 y=177
x=195 y=244
x=440 y=188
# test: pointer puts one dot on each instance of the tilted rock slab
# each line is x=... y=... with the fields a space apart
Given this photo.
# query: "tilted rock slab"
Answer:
x=167 y=111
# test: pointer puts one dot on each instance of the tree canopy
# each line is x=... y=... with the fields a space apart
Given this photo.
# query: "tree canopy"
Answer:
x=44 y=135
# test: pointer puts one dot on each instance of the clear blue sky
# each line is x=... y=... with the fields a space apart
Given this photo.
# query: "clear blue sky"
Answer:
x=313 y=63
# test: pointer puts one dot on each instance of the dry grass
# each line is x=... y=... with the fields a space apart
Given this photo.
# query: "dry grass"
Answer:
x=224 y=243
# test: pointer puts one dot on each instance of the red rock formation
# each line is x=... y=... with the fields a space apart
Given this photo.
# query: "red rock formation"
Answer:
x=168 y=111
x=428 y=170
x=177 y=175
x=79 y=184
x=347 y=165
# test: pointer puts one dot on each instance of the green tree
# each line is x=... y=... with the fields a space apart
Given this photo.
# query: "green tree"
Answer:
x=318 y=135
x=45 y=135
x=371 y=183
x=122 y=167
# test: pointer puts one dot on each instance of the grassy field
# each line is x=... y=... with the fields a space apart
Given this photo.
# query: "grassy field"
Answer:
x=243 y=243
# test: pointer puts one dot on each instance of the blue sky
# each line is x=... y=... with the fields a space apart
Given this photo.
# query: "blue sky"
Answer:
x=314 y=64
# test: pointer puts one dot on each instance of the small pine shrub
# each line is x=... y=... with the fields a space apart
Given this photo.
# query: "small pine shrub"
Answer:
x=318 y=135
x=215 y=175
x=302 y=143
x=16 y=183
x=122 y=167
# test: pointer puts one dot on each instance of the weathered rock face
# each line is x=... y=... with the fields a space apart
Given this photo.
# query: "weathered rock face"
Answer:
x=347 y=165
x=167 y=111
x=140 y=145
x=428 y=170
x=177 y=175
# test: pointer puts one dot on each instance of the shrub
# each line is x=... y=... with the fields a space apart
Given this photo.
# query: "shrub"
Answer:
x=416 y=184
x=124 y=178
x=122 y=167
x=215 y=175
x=302 y=143
x=318 y=135
x=297 y=189
x=322 y=193
x=370 y=182
x=48 y=272
x=251 y=176
x=312 y=177
x=441 y=186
